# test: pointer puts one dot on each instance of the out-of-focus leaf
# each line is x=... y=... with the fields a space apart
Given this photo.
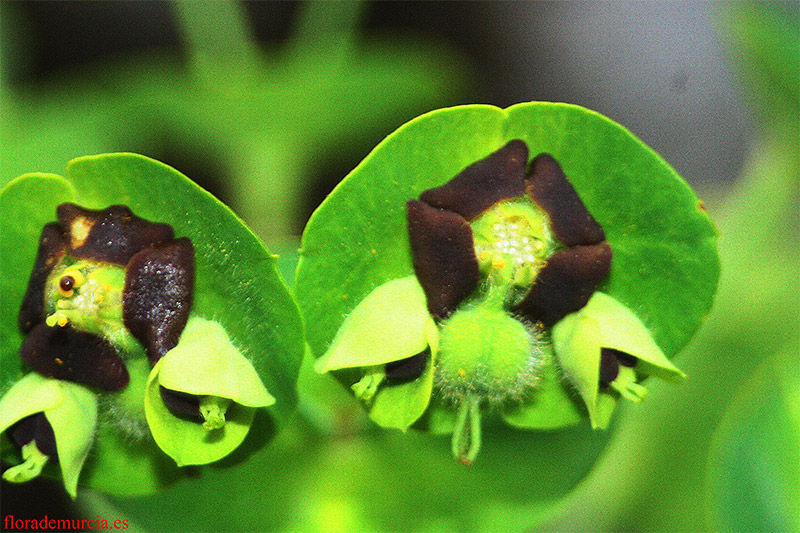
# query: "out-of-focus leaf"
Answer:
x=387 y=481
x=754 y=464
x=653 y=472
x=268 y=119
x=765 y=35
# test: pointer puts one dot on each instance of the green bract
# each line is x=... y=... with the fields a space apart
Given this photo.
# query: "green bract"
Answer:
x=117 y=428
x=426 y=308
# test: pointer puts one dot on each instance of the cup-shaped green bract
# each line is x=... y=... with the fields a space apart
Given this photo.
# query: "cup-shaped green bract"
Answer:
x=144 y=326
x=534 y=264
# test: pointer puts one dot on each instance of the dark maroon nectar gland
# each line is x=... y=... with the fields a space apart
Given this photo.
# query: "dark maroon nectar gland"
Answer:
x=445 y=263
x=501 y=255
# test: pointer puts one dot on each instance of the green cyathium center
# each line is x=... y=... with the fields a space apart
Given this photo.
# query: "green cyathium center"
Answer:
x=485 y=351
x=87 y=295
x=512 y=243
x=488 y=357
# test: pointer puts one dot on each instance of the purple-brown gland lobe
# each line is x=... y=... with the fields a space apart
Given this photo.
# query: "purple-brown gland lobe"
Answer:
x=157 y=299
x=625 y=359
x=565 y=284
x=182 y=404
x=499 y=176
x=112 y=235
x=407 y=369
x=159 y=278
x=53 y=245
x=511 y=237
x=444 y=257
x=610 y=362
x=569 y=219
x=35 y=428
x=609 y=368
x=209 y=411
x=70 y=355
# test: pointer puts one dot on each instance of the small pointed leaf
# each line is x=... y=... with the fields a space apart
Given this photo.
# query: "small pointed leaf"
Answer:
x=576 y=341
x=388 y=325
x=186 y=441
x=622 y=330
x=205 y=362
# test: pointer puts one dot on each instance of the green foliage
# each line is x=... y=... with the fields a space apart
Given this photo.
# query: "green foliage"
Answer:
x=754 y=466
x=658 y=464
x=205 y=364
x=605 y=323
x=662 y=280
x=265 y=122
x=765 y=35
x=71 y=411
x=356 y=244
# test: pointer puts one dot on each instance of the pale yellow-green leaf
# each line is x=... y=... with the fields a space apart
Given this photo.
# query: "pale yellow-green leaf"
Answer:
x=399 y=406
x=576 y=342
x=186 y=441
x=622 y=330
x=71 y=410
x=388 y=325
x=206 y=363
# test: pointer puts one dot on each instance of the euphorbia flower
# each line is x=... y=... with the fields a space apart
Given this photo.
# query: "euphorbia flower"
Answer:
x=503 y=254
x=107 y=289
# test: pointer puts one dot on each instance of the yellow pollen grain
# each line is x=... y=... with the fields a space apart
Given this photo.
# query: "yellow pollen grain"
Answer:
x=59 y=361
x=63 y=321
x=498 y=263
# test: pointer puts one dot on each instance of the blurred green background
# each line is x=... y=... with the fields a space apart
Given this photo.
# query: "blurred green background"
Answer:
x=269 y=104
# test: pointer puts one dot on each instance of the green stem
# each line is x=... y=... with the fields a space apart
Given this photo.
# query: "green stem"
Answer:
x=332 y=24
x=625 y=384
x=213 y=409
x=32 y=465
x=466 y=441
x=217 y=32
x=367 y=386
